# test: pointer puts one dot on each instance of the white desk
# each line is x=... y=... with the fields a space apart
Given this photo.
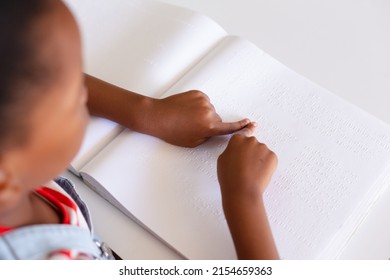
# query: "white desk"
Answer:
x=341 y=45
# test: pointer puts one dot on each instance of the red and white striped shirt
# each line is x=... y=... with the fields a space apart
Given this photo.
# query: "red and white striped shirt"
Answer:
x=71 y=214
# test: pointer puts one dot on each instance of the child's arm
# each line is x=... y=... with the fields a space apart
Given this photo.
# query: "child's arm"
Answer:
x=187 y=119
x=244 y=171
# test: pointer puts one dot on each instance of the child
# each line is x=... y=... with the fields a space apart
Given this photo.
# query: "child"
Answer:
x=43 y=112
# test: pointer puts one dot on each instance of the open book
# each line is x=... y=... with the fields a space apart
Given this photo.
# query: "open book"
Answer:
x=334 y=159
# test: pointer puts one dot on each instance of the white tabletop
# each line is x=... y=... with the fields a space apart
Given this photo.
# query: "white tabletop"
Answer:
x=342 y=45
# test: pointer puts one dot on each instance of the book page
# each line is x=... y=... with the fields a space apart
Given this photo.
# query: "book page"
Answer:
x=333 y=159
x=143 y=46
x=99 y=133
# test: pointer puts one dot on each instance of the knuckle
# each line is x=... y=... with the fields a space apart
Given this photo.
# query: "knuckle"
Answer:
x=198 y=93
x=211 y=127
x=252 y=140
x=273 y=157
x=204 y=102
x=263 y=146
x=236 y=138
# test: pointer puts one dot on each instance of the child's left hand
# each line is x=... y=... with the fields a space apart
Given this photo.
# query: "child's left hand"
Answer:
x=188 y=119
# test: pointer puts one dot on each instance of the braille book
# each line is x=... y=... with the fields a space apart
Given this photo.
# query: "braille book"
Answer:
x=334 y=158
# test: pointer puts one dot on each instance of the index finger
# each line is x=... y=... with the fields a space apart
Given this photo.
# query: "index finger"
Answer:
x=248 y=130
x=222 y=128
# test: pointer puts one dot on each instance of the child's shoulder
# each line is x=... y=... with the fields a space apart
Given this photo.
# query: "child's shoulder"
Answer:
x=47 y=241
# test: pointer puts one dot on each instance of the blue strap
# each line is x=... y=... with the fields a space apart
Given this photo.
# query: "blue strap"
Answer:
x=69 y=187
x=36 y=242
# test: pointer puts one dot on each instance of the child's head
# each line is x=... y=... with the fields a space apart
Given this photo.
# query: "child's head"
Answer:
x=43 y=111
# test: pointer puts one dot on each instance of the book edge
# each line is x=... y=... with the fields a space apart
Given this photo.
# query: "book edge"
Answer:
x=94 y=185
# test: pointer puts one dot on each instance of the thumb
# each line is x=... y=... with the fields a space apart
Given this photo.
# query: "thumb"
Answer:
x=248 y=130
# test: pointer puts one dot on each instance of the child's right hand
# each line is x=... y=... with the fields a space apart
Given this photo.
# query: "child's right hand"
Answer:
x=244 y=170
x=246 y=166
